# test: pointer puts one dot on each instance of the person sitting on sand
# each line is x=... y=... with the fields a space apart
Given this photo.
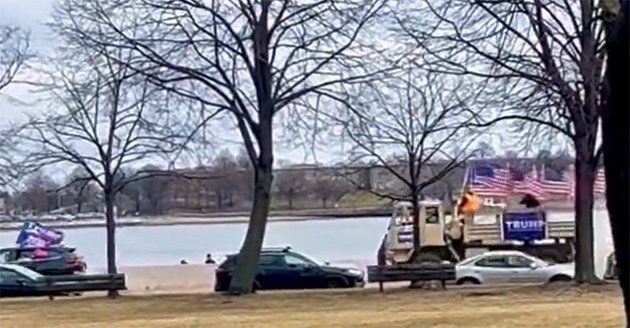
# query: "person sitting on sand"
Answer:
x=209 y=259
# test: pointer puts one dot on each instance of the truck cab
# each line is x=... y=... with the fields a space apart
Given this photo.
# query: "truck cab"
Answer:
x=432 y=225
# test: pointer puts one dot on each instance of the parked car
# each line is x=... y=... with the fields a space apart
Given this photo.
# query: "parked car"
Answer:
x=58 y=260
x=282 y=268
x=19 y=281
x=510 y=267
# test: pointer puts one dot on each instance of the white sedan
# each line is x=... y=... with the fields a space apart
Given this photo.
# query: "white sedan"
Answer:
x=500 y=267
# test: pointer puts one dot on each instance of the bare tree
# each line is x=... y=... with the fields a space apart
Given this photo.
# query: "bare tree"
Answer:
x=290 y=184
x=224 y=168
x=153 y=188
x=486 y=150
x=38 y=195
x=103 y=117
x=14 y=51
x=248 y=58
x=407 y=125
x=245 y=175
x=615 y=134
x=542 y=62
x=79 y=186
x=330 y=187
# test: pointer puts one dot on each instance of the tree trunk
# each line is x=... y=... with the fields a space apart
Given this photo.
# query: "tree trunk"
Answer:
x=584 y=177
x=137 y=204
x=415 y=213
x=247 y=265
x=616 y=143
x=111 y=238
x=290 y=199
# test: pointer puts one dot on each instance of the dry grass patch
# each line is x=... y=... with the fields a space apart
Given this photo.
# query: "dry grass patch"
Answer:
x=499 y=307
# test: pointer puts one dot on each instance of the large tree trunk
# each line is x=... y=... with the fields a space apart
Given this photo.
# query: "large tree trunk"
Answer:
x=616 y=143
x=584 y=177
x=415 y=213
x=247 y=266
x=111 y=238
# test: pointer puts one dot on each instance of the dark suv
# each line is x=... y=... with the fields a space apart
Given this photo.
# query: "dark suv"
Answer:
x=60 y=260
x=282 y=268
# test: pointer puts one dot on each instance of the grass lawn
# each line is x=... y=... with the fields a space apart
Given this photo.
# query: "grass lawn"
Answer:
x=479 y=307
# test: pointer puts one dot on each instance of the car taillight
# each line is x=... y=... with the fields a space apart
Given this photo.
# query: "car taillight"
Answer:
x=76 y=261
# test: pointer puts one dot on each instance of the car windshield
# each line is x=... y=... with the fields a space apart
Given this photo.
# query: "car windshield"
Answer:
x=469 y=260
x=26 y=272
x=312 y=259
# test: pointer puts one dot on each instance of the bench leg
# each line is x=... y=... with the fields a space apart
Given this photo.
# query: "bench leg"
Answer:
x=380 y=286
x=443 y=284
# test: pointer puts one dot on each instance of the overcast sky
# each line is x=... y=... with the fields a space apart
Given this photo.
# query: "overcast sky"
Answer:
x=32 y=16
x=15 y=100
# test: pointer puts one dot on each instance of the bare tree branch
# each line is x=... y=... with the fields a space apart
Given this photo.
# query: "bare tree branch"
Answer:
x=542 y=61
x=247 y=58
x=14 y=51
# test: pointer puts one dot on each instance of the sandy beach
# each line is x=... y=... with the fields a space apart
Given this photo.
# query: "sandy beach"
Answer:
x=183 y=278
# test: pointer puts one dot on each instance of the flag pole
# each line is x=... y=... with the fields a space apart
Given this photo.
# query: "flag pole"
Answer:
x=465 y=180
x=460 y=199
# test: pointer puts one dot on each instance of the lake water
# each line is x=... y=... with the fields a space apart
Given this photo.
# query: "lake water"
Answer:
x=341 y=240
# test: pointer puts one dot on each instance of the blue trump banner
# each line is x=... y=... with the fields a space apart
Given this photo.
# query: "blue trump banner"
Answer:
x=524 y=226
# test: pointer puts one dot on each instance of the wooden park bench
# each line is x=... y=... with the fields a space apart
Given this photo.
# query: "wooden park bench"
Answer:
x=427 y=271
x=69 y=284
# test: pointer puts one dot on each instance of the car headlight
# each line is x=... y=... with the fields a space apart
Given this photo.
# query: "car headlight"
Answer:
x=355 y=272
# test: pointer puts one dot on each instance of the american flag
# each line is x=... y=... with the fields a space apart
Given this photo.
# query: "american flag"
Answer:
x=530 y=184
x=599 y=187
x=558 y=186
x=489 y=181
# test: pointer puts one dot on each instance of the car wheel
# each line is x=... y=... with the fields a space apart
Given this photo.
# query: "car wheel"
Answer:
x=468 y=281
x=560 y=278
x=336 y=283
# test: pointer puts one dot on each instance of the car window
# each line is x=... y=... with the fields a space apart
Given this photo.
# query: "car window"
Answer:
x=25 y=254
x=9 y=276
x=432 y=215
x=56 y=251
x=517 y=261
x=294 y=260
x=25 y=272
x=269 y=260
x=493 y=261
x=5 y=256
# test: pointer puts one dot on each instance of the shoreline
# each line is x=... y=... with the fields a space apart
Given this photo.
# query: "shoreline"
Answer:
x=208 y=219
x=178 y=219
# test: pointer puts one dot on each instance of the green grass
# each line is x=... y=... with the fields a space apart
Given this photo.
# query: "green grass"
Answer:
x=518 y=307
